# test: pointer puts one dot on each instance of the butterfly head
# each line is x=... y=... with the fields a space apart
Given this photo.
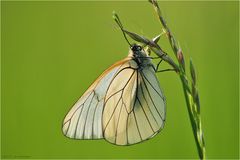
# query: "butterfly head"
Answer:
x=136 y=48
x=138 y=54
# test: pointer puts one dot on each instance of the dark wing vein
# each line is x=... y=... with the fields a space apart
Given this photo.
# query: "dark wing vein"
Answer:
x=113 y=95
x=143 y=94
x=134 y=106
x=118 y=123
x=77 y=109
x=132 y=109
x=119 y=99
x=137 y=125
x=87 y=115
x=112 y=115
x=118 y=72
x=75 y=132
x=93 y=90
x=145 y=114
x=151 y=98
x=93 y=119
x=153 y=87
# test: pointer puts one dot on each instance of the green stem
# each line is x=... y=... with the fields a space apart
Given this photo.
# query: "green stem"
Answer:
x=187 y=95
x=191 y=97
x=190 y=92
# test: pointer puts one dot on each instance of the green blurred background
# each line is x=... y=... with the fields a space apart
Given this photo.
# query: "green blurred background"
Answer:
x=52 y=52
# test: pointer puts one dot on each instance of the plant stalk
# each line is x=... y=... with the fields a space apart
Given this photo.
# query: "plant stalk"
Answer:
x=190 y=90
x=191 y=97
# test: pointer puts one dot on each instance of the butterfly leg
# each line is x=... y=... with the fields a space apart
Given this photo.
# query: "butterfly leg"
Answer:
x=149 y=57
x=163 y=70
x=154 y=57
x=158 y=65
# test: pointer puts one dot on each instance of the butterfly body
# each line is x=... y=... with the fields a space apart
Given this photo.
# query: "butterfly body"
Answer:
x=140 y=57
x=125 y=105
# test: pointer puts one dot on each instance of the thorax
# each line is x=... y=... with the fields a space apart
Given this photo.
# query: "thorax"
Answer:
x=141 y=58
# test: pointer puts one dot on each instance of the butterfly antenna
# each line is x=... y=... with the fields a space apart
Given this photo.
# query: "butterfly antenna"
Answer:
x=117 y=20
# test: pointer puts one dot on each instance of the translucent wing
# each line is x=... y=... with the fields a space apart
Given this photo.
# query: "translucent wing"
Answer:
x=84 y=120
x=134 y=106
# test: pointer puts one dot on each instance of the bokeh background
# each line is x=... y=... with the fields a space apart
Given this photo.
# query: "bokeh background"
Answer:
x=52 y=52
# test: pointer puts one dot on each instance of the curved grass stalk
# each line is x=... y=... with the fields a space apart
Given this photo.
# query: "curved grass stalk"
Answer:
x=189 y=89
x=191 y=96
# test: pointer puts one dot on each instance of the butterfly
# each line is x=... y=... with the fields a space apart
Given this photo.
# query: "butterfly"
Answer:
x=125 y=105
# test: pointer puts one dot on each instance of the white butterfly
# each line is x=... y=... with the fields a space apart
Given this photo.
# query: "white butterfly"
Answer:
x=125 y=105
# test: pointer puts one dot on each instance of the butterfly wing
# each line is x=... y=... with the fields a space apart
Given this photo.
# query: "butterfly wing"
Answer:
x=134 y=106
x=84 y=120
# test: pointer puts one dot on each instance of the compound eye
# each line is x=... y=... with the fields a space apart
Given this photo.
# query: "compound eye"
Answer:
x=136 y=48
x=139 y=48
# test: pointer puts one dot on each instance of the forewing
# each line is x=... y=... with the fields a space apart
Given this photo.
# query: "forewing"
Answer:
x=84 y=120
x=134 y=106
